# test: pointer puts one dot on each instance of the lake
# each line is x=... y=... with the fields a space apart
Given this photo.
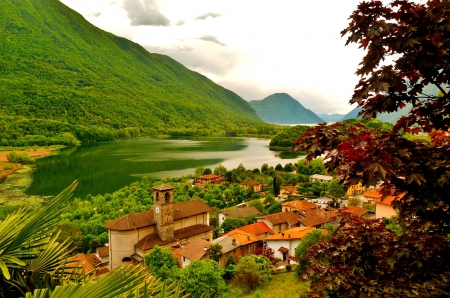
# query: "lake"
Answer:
x=108 y=166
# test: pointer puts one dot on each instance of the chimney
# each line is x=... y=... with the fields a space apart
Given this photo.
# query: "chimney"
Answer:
x=248 y=238
x=233 y=241
x=282 y=235
x=289 y=235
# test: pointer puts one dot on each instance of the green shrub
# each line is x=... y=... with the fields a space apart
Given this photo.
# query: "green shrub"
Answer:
x=22 y=158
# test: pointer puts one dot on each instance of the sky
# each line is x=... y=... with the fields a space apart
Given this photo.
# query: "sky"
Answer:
x=253 y=47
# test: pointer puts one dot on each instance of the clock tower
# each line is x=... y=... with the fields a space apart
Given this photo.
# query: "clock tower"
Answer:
x=163 y=211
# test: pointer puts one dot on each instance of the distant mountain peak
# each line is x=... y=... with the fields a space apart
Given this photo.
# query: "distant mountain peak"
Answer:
x=281 y=108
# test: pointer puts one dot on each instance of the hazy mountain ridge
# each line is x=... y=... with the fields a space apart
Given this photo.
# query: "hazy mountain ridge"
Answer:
x=56 y=65
x=281 y=108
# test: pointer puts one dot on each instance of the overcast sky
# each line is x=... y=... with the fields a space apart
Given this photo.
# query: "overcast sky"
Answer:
x=252 y=47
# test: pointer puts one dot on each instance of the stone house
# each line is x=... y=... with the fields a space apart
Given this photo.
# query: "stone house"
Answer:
x=133 y=235
x=259 y=229
x=384 y=207
x=281 y=221
x=210 y=178
x=257 y=186
x=297 y=205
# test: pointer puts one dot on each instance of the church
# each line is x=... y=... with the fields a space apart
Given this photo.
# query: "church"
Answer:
x=168 y=225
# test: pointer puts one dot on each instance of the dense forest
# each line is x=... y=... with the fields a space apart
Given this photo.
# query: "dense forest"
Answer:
x=96 y=86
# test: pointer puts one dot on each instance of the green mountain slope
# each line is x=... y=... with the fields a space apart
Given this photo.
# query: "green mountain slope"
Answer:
x=56 y=65
x=281 y=108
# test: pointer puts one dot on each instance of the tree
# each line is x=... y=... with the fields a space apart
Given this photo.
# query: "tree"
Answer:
x=335 y=189
x=253 y=271
x=161 y=262
x=207 y=171
x=220 y=170
x=231 y=223
x=312 y=238
x=215 y=252
x=203 y=279
x=276 y=186
x=414 y=39
x=199 y=171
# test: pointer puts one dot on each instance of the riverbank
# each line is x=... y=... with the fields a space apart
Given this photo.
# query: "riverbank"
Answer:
x=15 y=178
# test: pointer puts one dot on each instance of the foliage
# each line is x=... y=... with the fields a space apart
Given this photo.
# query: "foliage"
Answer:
x=215 y=252
x=231 y=223
x=416 y=37
x=161 y=262
x=59 y=67
x=335 y=189
x=21 y=158
x=203 y=279
x=253 y=271
x=312 y=238
x=122 y=282
x=354 y=202
x=30 y=256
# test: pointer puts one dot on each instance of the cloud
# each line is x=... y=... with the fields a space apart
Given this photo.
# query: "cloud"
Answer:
x=144 y=13
x=95 y=15
x=208 y=14
x=211 y=38
x=209 y=59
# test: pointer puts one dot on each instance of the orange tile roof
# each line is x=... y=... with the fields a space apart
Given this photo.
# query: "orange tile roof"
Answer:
x=149 y=241
x=295 y=233
x=299 y=204
x=377 y=195
x=250 y=182
x=143 y=219
x=80 y=260
x=281 y=217
x=315 y=217
x=209 y=177
x=242 y=237
x=93 y=259
x=257 y=228
x=359 y=211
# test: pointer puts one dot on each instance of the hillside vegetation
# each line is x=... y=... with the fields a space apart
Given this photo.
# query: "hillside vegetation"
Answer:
x=63 y=71
x=281 y=108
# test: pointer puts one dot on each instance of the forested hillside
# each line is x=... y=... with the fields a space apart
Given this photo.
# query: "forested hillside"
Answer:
x=281 y=108
x=57 y=66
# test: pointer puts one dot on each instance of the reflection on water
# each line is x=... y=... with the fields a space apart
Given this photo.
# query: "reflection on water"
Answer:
x=105 y=167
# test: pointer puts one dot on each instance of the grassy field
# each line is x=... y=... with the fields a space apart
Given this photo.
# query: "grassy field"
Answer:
x=284 y=285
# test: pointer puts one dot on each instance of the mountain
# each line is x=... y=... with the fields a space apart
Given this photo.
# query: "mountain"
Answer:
x=331 y=117
x=57 y=66
x=281 y=108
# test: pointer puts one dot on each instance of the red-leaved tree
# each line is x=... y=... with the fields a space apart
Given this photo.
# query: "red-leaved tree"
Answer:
x=407 y=50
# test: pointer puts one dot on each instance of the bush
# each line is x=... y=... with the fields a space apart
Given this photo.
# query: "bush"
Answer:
x=288 y=267
x=22 y=158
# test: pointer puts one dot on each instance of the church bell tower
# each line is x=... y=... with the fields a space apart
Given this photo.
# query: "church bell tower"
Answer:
x=163 y=211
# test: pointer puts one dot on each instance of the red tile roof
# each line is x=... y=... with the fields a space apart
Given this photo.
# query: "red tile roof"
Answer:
x=359 y=211
x=143 y=219
x=257 y=228
x=80 y=260
x=281 y=217
x=242 y=237
x=295 y=233
x=250 y=182
x=377 y=195
x=93 y=259
x=290 y=189
x=149 y=241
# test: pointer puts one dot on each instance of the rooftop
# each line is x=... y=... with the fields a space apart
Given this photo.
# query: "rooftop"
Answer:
x=299 y=204
x=194 y=249
x=359 y=211
x=290 y=217
x=146 y=218
x=295 y=233
x=257 y=228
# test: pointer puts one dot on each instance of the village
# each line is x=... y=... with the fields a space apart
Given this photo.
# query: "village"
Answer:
x=185 y=228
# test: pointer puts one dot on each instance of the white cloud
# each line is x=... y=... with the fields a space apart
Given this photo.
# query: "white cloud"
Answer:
x=145 y=12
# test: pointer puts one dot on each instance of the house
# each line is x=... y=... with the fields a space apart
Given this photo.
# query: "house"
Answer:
x=237 y=213
x=103 y=254
x=321 y=178
x=281 y=221
x=317 y=217
x=257 y=229
x=358 y=211
x=239 y=243
x=355 y=189
x=289 y=190
x=210 y=178
x=383 y=204
x=193 y=250
x=297 y=205
x=133 y=235
x=257 y=186
x=83 y=262
x=284 y=244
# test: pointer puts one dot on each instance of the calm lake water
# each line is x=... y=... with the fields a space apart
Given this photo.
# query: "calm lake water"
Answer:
x=105 y=167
